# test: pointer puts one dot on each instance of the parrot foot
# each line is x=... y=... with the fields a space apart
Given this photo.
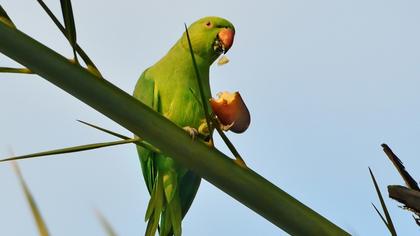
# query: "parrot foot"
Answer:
x=191 y=131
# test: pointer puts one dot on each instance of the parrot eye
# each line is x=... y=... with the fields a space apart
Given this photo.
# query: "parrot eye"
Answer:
x=209 y=24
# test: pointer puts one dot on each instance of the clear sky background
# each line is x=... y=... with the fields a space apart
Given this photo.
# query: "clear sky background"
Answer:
x=326 y=83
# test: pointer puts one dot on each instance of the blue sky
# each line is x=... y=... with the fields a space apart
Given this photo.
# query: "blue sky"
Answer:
x=326 y=83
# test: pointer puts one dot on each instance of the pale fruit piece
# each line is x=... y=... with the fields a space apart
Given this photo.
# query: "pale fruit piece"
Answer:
x=231 y=110
x=223 y=60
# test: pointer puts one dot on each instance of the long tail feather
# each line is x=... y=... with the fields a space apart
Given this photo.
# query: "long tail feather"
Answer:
x=164 y=206
x=155 y=207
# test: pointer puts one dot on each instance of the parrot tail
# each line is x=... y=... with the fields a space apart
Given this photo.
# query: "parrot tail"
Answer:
x=165 y=205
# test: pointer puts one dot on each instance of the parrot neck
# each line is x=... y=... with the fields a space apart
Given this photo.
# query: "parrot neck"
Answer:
x=203 y=58
x=183 y=59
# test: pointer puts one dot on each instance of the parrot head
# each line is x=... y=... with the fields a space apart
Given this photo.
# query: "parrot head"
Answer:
x=210 y=37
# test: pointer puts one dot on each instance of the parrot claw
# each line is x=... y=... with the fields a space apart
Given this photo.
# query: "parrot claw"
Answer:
x=191 y=131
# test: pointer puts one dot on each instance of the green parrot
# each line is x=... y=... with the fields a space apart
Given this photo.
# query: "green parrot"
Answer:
x=170 y=87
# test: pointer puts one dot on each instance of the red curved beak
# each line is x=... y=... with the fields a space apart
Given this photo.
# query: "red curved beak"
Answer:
x=226 y=36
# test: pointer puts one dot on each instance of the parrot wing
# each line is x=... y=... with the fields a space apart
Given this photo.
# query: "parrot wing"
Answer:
x=147 y=93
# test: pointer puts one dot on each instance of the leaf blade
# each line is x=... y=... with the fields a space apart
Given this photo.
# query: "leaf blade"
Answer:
x=79 y=148
x=69 y=25
x=140 y=142
x=90 y=65
x=39 y=221
x=381 y=199
x=105 y=223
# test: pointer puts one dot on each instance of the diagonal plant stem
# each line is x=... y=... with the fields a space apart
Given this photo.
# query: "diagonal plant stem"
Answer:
x=243 y=184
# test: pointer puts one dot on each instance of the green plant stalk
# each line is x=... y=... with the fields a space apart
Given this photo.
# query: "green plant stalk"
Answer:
x=242 y=184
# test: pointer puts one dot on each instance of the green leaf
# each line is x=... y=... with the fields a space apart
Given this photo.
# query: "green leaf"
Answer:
x=199 y=82
x=71 y=149
x=243 y=184
x=381 y=216
x=5 y=18
x=104 y=130
x=89 y=63
x=105 y=224
x=69 y=25
x=15 y=70
x=388 y=221
x=42 y=227
x=140 y=142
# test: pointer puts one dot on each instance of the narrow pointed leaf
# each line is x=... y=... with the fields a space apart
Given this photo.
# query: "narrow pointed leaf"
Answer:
x=90 y=65
x=139 y=142
x=381 y=216
x=105 y=224
x=5 y=18
x=204 y=102
x=15 y=70
x=200 y=83
x=69 y=25
x=42 y=227
x=104 y=130
x=381 y=199
x=71 y=149
x=229 y=144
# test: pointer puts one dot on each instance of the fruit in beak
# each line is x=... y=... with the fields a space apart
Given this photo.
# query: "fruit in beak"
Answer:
x=231 y=111
x=224 y=40
x=226 y=36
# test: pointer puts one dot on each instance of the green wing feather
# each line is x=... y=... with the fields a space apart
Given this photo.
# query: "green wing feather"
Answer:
x=146 y=92
x=172 y=193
